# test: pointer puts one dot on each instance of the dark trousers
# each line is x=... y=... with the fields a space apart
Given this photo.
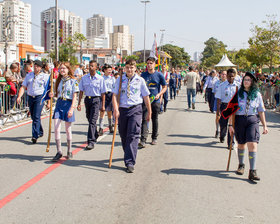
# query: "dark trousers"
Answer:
x=172 y=89
x=130 y=129
x=92 y=112
x=210 y=98
x=145 y=129
x=224 y=126
x=35 y=108
x=165 y=101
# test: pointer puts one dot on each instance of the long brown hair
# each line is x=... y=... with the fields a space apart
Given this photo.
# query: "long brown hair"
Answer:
x=70 y=74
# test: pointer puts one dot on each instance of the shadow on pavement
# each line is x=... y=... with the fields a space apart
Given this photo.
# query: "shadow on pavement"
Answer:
x=91 y=164
x=206 y=145
x=189 y=136
x=24 y=140
x=212 y=173
x=179 y=109
x=29 y=158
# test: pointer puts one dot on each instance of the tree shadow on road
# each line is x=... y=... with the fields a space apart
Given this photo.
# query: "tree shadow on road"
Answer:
x=212 y=173
x=178 y=109
x=194 y=144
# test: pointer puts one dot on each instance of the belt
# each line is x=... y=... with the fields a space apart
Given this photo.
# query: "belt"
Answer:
x=34 y=96
x=131 y=106
x=89 y=97
x=64 y=99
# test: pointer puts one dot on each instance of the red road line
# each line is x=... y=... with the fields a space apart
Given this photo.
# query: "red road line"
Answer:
x=24 y=123
x=35 y=179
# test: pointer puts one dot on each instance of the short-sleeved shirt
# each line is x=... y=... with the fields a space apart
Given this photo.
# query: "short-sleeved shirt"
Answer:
x=92 y=85
x=238 y=79
x=216 y=86
x=133 y=94
x=109 y=82
x=210 y=81
x=173 y=79
x=192 y=78
x=255 y=105
x=35 y=84
x=154 y=82
x=226 y=91
x=71 y=86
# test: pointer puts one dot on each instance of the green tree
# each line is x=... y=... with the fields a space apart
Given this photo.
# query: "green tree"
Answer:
x=213 y=52
x=178 y=54
x=265 y=43
x=135 y=57
x=69 y=47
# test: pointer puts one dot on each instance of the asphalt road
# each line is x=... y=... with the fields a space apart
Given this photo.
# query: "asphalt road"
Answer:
x=180 y=180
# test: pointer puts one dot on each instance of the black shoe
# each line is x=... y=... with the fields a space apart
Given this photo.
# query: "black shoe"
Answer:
x=164 y=110
x=130 y=169
x=69 y=155
x=141 y=145
x=111 y=129
x=240 y=169
x=222 y=140
x=253 y=175
x=57 y=157
x=217 y=134
x=89 y=147
x=34 y=140
x=193 y=106
x=100 y=133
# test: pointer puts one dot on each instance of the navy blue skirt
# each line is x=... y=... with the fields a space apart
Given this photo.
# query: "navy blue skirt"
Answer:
x=247 y=128
x=61 y=110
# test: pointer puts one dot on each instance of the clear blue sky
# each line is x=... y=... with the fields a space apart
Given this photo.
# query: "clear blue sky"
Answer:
x=187 y=23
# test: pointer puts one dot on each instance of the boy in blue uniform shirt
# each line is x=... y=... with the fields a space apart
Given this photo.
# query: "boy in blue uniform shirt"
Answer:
x=93 y=86
x=157 y=87
x=35 y=83
x=173 y=82
x=129 y=111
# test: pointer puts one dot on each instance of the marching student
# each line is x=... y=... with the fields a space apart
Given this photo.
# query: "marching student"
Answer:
x=129 y=111
x=109 y=81
x=93 y=86
x=164 y=102
x=66 y=90
x=157 y=87
x=35 y=83
x=247 y=120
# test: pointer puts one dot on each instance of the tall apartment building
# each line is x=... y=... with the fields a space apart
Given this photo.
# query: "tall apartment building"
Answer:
x=98 y=26
x=121 y=39
x=197 y=56
x=20 y=31
x=68 y=25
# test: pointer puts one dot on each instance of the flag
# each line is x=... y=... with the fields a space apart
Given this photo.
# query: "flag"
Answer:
x=154 y=52
x=46 y=91
x=232 y=106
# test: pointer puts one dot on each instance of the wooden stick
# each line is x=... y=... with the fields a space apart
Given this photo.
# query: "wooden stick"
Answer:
x=231 y=140
x=50 y=120
x=116 y=124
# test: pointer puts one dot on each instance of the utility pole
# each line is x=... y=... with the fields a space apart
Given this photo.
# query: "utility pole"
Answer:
x=7 y=36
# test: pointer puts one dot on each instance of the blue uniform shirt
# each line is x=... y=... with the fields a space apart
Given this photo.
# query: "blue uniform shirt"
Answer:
x=226 y=91
x=109 y=83
x=173 y=79
x=71 y=86
x=253 y=107
x=210 y=81
x=216 y=86
x=92 y=85
x=133 y=93
x=154 y=82
x=35 y=84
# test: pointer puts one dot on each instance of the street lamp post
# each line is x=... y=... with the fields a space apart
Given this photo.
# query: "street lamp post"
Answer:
x=56 y=32
x=145 y=2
